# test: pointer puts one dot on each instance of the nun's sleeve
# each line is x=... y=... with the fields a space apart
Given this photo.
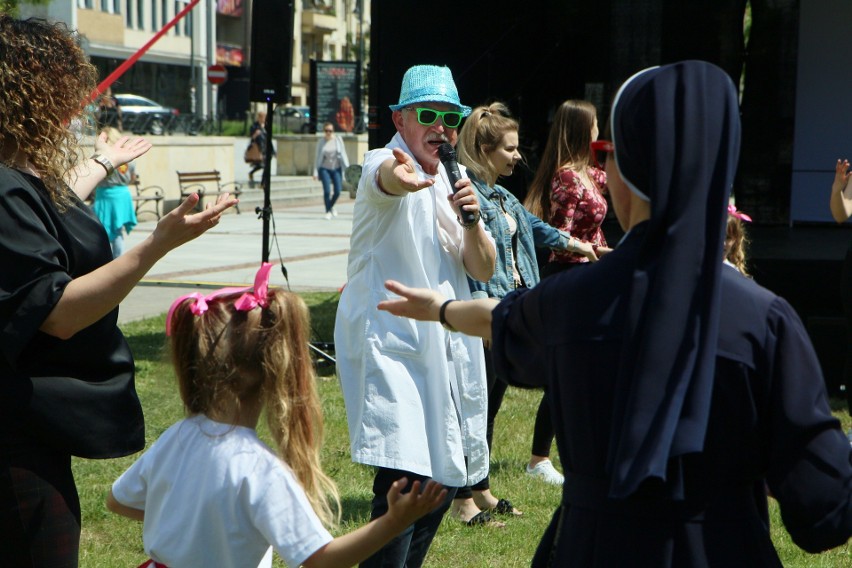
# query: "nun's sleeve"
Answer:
x=810 y=468
x=517 y=345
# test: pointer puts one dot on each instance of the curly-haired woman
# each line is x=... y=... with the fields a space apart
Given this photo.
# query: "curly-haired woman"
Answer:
x=66 y=372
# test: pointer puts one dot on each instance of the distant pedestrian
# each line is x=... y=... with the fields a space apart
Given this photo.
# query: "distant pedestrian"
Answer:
x=329 y=162
x=109 y=111
x=256 y=157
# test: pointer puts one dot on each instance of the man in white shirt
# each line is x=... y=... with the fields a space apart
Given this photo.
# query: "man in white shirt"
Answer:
x=415 y=393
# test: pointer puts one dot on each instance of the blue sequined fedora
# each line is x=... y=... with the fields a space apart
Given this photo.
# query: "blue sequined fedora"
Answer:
x=429 y=84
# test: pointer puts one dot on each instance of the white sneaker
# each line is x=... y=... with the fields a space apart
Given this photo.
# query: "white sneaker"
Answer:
x=545 y=471
x=328 y=216
x=334 y=211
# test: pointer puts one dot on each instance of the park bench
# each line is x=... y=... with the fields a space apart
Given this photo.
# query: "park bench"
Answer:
x=148 y=199
x=206 y=184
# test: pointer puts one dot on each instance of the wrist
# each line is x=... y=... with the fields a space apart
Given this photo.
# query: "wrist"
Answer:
x=104 y=162
x=442 y=315
x=472 y=225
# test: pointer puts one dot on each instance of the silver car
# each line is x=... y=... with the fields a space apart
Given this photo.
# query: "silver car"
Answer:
x=144 y=116
x=293 y=119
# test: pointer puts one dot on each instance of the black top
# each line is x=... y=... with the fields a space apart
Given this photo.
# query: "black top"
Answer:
x=769 y=423
x=76 y=395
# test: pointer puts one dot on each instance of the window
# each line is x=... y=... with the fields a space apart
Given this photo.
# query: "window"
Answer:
x=128 y=14
x=178 y=7
x=85 y=4
x=154 y=21
x=164 y=13
x=140 y=15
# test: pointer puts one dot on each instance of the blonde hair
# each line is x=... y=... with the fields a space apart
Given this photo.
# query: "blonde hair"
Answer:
x=46 y=80
x=568 y=144
x=226 y=356
x=736 y=244
x=481 y=133
x=113 y=134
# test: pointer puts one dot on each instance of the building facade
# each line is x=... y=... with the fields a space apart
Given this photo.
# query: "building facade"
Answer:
x=173 y=71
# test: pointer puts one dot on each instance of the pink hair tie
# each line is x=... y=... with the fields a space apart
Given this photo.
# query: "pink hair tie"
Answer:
x=257 y=296
x=198 y=307
x=732 y=211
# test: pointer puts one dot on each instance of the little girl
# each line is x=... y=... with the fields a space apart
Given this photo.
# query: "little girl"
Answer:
x=209 y=491
x=736 y=240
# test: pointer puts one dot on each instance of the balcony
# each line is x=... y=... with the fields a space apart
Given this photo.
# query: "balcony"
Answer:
x=318 y=22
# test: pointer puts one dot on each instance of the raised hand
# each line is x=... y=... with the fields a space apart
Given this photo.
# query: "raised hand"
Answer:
x=124 y=150
x=405 y=174
x=181 y=225
x=841 y=175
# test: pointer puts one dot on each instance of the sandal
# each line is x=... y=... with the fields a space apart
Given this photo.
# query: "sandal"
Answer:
x=484 y=518
x=505 y=507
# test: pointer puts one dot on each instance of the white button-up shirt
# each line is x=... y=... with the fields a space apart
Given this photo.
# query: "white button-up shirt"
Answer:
x=415 y=394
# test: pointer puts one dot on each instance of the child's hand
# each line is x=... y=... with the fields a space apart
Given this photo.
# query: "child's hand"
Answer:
x=407 y=508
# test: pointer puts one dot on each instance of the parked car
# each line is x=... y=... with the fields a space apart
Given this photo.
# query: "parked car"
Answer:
x=294 y=119
x=144 y=116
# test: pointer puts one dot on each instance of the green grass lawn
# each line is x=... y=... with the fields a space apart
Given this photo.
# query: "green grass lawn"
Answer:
x=113 y=541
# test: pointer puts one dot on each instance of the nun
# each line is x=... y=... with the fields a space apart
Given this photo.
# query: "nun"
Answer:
x=683 y=392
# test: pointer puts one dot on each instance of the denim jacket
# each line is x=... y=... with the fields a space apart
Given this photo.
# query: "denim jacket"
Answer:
x=532 y=232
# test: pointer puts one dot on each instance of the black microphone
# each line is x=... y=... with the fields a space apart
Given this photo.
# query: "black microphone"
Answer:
x=448 y=158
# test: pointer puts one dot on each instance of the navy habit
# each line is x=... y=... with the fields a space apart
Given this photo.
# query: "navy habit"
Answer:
x=680 y=389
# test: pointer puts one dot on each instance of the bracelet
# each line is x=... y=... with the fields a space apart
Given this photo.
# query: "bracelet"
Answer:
x=104 y=161
x=469 y=226
x=443 y=319
x=571 y=243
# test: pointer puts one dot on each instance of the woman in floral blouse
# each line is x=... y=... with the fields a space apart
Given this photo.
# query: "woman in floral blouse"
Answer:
x=568 y=191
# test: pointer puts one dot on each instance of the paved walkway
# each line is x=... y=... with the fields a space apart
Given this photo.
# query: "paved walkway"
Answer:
x=313 y=250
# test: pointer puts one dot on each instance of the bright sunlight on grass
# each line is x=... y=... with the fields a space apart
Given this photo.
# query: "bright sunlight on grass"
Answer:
x=112 y=541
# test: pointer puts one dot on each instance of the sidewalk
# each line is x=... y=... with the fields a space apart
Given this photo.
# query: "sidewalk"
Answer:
x=313 y=250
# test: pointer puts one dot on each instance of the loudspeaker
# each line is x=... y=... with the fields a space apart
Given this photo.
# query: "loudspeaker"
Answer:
x=271 y=64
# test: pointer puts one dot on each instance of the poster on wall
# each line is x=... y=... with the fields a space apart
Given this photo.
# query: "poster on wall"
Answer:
x=336 y=88
x=227 y=54
x=229 y=7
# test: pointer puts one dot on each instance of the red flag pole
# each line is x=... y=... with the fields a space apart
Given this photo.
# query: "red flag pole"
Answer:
x=120 y=70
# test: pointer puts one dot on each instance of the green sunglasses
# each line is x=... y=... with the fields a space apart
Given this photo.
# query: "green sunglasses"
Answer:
x=428 y=116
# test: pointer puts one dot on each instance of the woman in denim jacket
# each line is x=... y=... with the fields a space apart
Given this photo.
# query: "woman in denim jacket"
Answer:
x=488 y=148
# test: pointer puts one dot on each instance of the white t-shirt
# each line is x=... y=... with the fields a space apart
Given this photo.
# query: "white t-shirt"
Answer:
x=215 y=495
x=415 y=394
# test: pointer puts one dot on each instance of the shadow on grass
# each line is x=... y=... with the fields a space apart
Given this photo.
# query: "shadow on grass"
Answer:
x=323 y=308
x=149 y=346
x=355 y=509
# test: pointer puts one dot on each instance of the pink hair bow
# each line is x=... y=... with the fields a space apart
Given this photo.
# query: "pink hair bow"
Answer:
x=253 y=297
x=732 y=211
x=259 y=296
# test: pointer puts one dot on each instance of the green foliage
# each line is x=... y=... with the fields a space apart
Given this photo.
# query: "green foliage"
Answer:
x=110 y=541
x=11 y=6
x=237 y=128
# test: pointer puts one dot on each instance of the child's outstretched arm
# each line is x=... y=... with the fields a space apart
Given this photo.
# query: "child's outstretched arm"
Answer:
x=360 y=544
x=123 y=510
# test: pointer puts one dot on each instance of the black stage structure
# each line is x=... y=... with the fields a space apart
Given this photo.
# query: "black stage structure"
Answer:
x=535 y=55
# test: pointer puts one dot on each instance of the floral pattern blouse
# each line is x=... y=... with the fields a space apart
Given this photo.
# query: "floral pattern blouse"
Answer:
x=578 y=210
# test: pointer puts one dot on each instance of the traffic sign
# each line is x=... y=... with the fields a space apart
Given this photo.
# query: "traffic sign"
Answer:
x=217 y=74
